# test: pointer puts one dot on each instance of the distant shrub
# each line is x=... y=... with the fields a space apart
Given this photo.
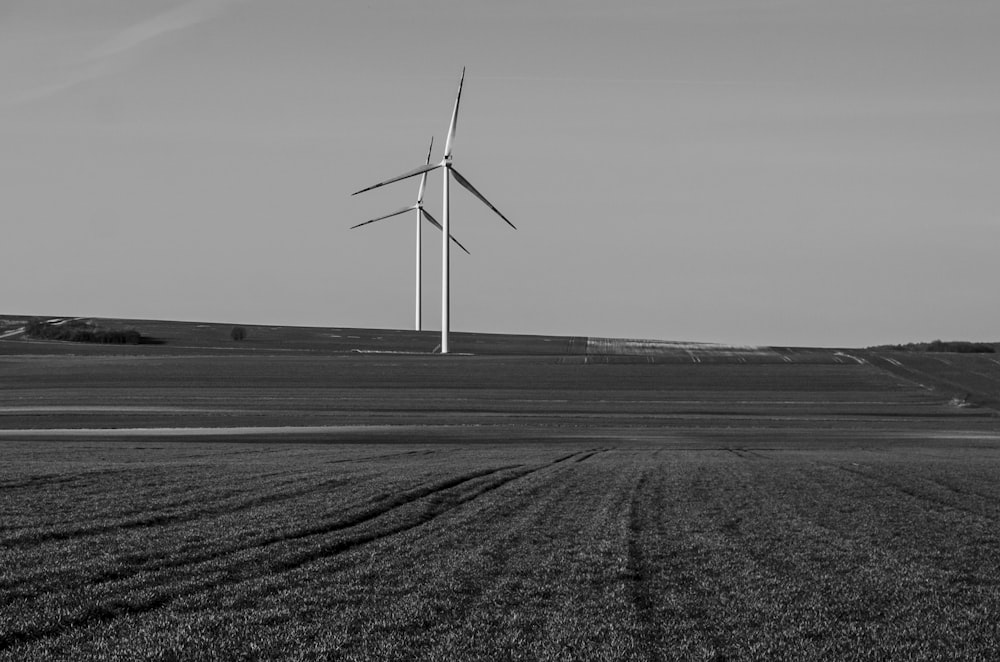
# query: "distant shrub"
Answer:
x=238 y=333
x=84 y=331
x=961 y=347
x=958 y=346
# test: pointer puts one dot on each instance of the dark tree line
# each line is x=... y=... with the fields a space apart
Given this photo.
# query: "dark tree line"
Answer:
x=83 y=331
x=959 y=346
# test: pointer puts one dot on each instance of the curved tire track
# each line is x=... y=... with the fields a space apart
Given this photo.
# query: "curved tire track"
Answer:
x=164 y=595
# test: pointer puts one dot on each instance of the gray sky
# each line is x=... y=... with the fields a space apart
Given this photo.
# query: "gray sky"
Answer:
x=796 y=172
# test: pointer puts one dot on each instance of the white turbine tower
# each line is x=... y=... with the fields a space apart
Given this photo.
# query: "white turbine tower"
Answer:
x=422 y=214
x=450 y=172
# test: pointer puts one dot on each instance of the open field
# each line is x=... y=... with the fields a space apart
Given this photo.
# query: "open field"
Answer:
x=300 y=496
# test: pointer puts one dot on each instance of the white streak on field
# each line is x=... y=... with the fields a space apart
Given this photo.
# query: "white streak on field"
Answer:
x=859 y=360
x=953 y=435
x=48 y=409
x=407 y=353
x=188 y=432
x=633 y=347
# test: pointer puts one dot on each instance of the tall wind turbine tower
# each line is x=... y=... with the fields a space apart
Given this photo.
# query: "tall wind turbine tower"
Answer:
x=422 y=214
x=449 y=172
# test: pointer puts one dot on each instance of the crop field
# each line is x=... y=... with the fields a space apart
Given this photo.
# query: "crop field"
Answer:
x=178 y=550
x=541 y=498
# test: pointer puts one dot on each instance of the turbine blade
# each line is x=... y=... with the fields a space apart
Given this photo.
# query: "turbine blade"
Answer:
x=459 y=244
x=412 y=173
x=423 y=180
x=454 y=119
x=395 y=213
x=433 y=221
x=472 y=189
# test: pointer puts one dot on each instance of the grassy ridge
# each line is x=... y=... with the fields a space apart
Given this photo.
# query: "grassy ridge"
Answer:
x=434 y=552
x=969 y=378
x=297 y=358
x=188 y=338
x=506 y=397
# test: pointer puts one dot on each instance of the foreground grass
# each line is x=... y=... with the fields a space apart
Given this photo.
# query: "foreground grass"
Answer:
x=218 y=552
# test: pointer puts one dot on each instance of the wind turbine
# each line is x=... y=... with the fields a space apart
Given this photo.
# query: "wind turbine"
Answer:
x=422 y=214
x=450 y=172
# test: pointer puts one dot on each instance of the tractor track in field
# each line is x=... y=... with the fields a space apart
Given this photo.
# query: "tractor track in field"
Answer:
x=637 y=566
x=43 y=480
x=165 y=594
x=586 y=456
x=660 y=579
x=747 y=454
x=384 y=456
x=532 y=504
x=174 y=518
x=965 y=492
x=658 y=586
x=149 y=521
x=158 y=561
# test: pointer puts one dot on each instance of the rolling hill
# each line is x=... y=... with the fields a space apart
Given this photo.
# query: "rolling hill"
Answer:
x=364 y=383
